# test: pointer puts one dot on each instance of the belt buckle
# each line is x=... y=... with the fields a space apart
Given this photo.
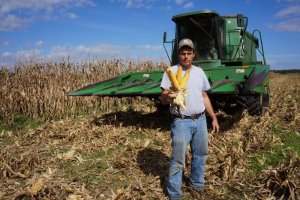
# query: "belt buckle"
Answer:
x=194 y=117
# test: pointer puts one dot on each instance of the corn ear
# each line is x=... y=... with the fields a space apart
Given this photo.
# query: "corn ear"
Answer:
x=172 y=78
x=185 y=79
x=179 y=74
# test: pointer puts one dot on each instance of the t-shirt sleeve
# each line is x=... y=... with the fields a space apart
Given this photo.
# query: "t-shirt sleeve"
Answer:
x=165 y=82
x=206 y=85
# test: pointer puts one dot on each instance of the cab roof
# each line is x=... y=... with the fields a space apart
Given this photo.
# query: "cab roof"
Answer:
x=196 y=13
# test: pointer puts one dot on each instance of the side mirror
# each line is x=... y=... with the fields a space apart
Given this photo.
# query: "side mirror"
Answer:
x=240 y=20
x=165 y=37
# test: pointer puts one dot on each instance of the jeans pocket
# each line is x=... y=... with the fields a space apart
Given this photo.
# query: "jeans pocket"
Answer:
x=174 y=122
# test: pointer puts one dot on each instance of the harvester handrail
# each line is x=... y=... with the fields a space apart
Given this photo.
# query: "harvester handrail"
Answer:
x=261 y=43
x=172 y=42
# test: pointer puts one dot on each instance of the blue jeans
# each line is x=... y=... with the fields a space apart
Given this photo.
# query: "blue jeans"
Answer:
x=184 y=132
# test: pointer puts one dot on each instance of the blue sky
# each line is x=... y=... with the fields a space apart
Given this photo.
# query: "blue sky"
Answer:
x=89 y=29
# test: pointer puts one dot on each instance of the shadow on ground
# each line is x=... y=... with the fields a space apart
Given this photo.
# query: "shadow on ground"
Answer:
x=133 y=118
x=226 y=121
x=160 y=120
x=154 y=162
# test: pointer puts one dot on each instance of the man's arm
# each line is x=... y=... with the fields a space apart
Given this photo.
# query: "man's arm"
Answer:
x=164 y=98
x=211 y=113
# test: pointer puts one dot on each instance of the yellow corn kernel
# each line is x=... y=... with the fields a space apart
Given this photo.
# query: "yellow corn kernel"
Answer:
x=185 y=79
x=172 y=78
x=179 y=74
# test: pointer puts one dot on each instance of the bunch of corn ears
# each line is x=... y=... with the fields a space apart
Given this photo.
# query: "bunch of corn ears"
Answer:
x=178 y=92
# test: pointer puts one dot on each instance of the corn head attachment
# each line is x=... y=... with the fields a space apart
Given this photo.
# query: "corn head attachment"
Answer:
x=126 y=85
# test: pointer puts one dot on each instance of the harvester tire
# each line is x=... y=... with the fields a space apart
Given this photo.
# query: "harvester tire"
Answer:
x=254 y=105
x=265 y=100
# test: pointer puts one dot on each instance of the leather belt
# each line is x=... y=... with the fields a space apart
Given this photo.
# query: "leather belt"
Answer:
x=193 y=117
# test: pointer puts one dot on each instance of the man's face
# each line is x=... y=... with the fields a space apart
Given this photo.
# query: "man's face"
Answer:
x=186 y=56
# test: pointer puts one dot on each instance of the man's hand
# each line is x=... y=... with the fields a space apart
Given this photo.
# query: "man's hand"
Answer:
x=210 y=111
x=165 y=97
x=215 y=125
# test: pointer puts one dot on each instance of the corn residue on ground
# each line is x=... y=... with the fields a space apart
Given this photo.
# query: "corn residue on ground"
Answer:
x=124 y=154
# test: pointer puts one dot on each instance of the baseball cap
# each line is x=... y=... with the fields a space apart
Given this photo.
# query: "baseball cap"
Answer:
x=186 y=42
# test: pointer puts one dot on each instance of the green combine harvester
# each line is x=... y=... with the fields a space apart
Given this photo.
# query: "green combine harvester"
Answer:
x=225 y=50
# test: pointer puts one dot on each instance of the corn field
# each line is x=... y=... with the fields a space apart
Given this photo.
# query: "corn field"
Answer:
x=124 y=153
x=37 y=90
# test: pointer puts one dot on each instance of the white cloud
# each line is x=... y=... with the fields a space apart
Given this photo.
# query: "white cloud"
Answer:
x=12 y=22
x=290 y=1
x=188 y=5
x=288 y=18
x=129 y=4
x=101 y=50
x=39 y=43
x=167 y=7
x=148 y=47
x=18 y=14
x=6 y=54
x=289 y=11
x=9 y=58
x=49 y=5
x=108 y=50
x=136 y=3
x=285 y=56
x=5 y=43
x=84 y=52
x=283 y=61
x=179 y=1
x=6 y=58
x=71 y=15
x=292 y=25
x=29 y=54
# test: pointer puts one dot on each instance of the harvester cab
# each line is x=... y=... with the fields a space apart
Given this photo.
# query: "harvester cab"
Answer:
x=218 y=40
x=224 y=49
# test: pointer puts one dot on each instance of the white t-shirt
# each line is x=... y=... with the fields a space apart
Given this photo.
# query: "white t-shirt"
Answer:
x=197 y=83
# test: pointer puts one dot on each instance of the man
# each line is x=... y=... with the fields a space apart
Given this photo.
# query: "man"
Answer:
x=188 y=125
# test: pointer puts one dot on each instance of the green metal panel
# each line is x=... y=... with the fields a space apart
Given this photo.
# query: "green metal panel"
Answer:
x=224 y=87
x=258 y=81
x=233 y=38
x=250 y=44
x=238 y=79
x=207 y=64
x=129 y=84
x=224 y=80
